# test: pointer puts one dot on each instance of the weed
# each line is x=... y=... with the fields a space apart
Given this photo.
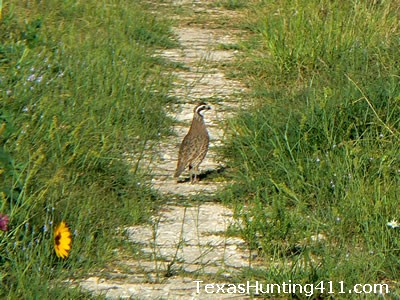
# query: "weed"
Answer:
x=318 y=157
x=76 y=89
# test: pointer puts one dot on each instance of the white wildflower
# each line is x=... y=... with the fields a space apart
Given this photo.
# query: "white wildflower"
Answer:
x=393 y=224
x=31 y=77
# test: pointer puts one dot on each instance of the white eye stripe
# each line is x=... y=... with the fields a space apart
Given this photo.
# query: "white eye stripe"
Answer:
x=203 y=107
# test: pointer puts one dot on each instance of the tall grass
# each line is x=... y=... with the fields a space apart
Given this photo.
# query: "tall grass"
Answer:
x=319 y=155
x=77 y=94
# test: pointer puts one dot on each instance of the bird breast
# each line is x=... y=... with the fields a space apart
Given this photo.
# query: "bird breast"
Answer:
x=198 y=128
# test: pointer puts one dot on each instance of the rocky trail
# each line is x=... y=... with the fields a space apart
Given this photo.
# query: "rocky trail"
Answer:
x=186 y=241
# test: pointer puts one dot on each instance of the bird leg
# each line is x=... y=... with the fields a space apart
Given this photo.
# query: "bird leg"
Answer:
x=194 y=179
x=191 y=174
x=196 y=172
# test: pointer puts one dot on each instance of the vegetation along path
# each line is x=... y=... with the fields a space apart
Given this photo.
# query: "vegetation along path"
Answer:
x=186 y=240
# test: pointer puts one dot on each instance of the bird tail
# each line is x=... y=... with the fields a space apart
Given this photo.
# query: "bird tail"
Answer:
x=178 y=173
x=179 y=170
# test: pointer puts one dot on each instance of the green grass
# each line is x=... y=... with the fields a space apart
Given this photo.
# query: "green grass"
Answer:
x=319 y=154
x=77 y=93
x=232 y=4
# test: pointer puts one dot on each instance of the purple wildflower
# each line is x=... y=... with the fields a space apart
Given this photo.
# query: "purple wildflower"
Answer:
x=4 y=222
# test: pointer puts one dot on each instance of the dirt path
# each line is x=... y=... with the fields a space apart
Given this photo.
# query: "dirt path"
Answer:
x=187 y=240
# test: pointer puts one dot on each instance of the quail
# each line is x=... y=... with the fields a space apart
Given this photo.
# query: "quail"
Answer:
x=194 y=146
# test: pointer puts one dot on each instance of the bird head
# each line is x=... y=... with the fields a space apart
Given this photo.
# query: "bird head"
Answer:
x=201 y=107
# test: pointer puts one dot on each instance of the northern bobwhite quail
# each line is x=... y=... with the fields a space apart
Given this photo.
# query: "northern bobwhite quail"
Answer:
x=194 y=146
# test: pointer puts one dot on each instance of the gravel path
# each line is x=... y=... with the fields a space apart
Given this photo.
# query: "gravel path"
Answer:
x=186 y=241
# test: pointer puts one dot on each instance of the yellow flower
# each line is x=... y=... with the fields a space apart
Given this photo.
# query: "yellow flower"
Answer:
x=62 y=240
